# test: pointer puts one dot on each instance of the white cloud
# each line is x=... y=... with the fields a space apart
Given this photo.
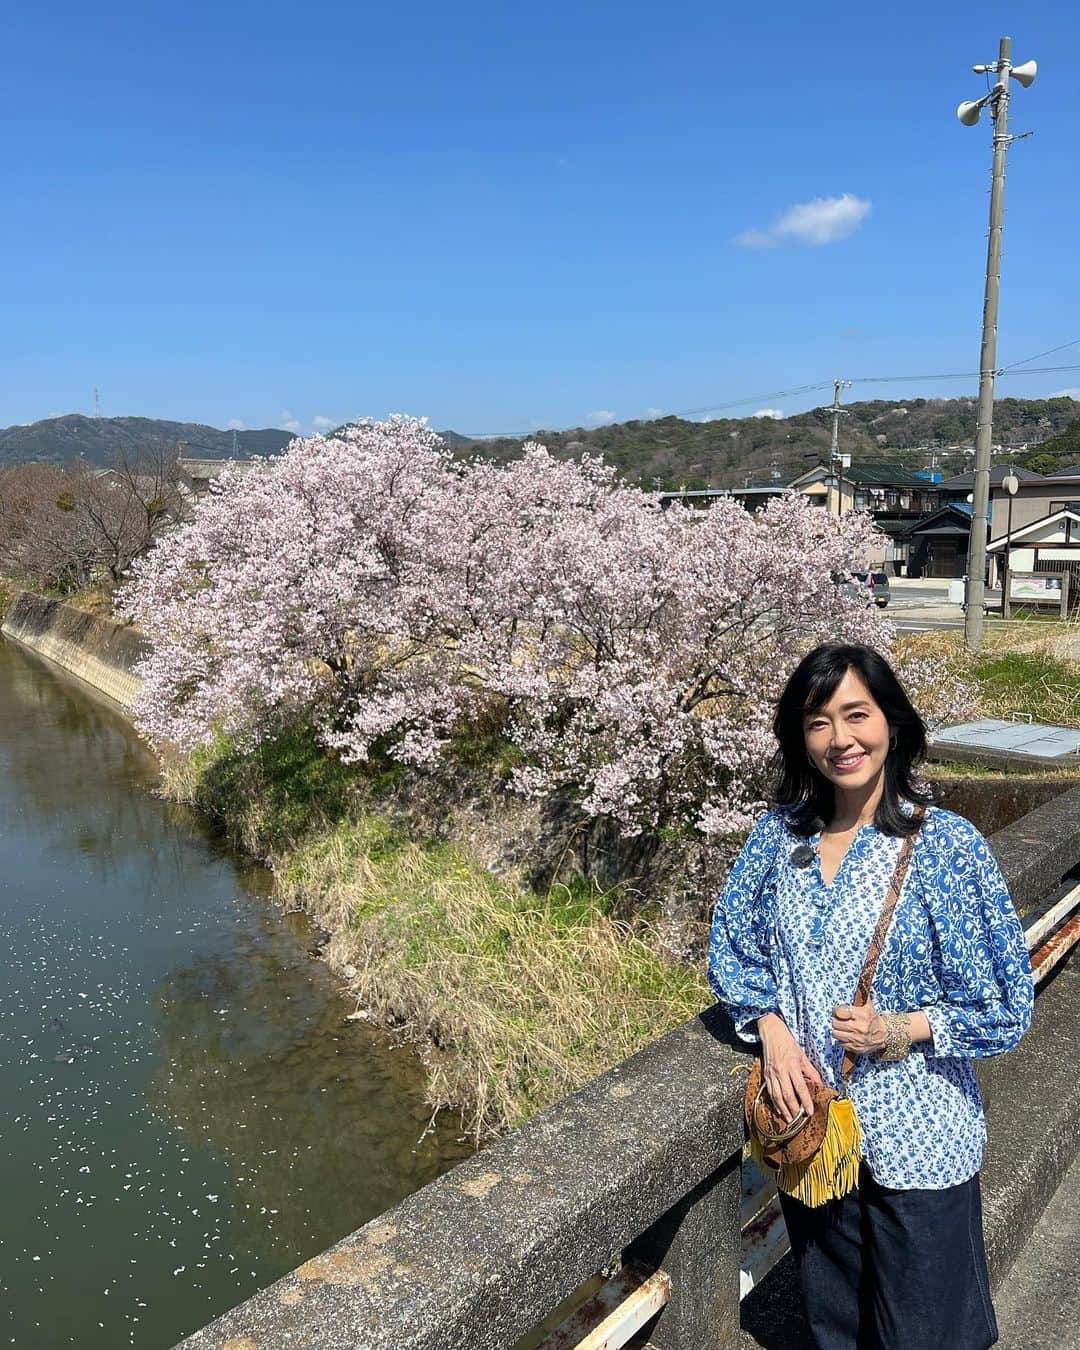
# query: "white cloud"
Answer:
x=775 y=413
x=822 y=221
x=288 y=421
x=650 y=413
x=325 y=423
x=1074 y=392
x=235 y=424
x=600 y=418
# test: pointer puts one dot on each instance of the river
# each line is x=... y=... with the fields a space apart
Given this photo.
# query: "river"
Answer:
x=185 y=1113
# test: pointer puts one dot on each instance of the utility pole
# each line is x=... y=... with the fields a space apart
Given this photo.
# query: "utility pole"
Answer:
x=968 y=113
x=836 y=463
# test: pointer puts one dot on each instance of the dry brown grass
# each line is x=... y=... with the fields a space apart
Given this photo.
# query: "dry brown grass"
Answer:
x=514 y=998
x=1025 y=668
x=517 y=999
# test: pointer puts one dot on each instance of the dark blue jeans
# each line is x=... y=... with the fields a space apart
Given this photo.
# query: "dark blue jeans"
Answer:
x=894 y=1270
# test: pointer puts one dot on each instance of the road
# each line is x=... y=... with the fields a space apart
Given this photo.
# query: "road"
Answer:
x=920 y=606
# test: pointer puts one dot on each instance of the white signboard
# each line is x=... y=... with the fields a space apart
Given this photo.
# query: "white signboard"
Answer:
x=1034 y=588
x=1038 y=588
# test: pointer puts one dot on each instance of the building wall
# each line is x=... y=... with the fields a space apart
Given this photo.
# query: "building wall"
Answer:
x=1031 y=503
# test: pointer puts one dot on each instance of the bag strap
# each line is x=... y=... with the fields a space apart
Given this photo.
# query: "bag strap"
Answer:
x=877 y=942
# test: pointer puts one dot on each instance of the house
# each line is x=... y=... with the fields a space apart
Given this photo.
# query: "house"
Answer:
x=1050 y=544
x=893 y=496
x=937 y=545
x=1034 y=513
x=751 y=497
x=196 y=475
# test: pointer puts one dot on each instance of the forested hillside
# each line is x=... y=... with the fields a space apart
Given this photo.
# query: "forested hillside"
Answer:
x=1059 y=452
x=671 y=450
x=723 y=453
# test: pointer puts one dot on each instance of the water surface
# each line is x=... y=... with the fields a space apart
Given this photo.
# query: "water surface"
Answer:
x=185 y=1114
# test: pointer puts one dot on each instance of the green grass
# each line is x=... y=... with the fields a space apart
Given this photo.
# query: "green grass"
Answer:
x=1037 y=684
x=524 y=997
x=269 y=798
x=515 y=998
x=1019 y=671
x=1021 y=613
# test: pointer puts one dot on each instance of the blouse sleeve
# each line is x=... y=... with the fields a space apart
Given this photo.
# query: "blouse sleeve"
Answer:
x=980 y=954
x=739 y=969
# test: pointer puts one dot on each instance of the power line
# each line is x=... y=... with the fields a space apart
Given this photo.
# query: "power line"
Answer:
x=797 y=390
x=1074 y=343
x=1037 y=370
x=754 y=398
x=902 y=379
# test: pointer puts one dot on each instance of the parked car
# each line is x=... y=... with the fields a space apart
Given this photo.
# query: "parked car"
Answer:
x=873 y=587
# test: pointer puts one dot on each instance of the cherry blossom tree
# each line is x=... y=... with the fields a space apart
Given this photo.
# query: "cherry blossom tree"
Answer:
x=392 y=597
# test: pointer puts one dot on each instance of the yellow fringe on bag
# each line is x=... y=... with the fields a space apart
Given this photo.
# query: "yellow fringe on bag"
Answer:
x=833 y=1170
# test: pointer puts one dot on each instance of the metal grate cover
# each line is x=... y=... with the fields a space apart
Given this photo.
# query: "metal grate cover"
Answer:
x=1019 y=738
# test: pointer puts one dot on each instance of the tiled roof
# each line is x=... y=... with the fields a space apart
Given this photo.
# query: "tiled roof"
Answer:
x=927 y=525
x=966 y=481
x=212 y=468
x=885 y=475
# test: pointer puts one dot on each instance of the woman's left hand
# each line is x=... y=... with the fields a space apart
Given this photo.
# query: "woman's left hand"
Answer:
x=859 y=1030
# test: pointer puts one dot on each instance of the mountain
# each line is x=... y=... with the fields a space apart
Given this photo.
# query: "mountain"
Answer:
x=913 y=433
x=100 y=439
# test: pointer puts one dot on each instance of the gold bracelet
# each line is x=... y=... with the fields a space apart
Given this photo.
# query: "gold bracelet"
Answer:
x=897 y=1036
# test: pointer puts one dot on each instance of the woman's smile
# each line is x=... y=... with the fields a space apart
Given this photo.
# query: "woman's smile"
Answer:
x=844 y=763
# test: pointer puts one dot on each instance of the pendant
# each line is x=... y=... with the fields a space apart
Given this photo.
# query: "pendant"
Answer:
x=802 y=856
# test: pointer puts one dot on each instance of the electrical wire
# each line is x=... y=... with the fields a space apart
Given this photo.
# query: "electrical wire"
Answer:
x=1013 y=364
x=797 y=390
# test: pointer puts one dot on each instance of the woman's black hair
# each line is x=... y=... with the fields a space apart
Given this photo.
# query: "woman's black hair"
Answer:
x=801 y=790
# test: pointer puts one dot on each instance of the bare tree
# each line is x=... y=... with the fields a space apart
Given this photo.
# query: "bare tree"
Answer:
x=62 y=529
x=44 y=539
x=128 y=505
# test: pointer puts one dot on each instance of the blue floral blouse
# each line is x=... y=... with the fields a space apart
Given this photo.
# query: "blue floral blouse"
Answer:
x=783 y=941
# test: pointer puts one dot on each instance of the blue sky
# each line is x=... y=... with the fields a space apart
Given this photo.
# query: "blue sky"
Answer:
x=503 y=217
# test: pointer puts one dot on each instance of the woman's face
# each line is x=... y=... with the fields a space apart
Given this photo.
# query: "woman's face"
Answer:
x=847 y=738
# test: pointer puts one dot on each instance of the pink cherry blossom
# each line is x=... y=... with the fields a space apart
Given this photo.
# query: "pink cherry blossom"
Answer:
x=389 y=595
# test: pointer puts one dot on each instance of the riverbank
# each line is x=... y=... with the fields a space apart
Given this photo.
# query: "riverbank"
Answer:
x=513 y=997
x=186 y=1117
x=517 y=982
x=97 y=650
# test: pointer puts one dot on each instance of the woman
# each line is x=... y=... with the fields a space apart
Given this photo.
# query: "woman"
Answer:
x=899 y=1263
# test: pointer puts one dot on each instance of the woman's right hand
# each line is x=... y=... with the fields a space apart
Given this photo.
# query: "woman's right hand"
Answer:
x=787 y=1069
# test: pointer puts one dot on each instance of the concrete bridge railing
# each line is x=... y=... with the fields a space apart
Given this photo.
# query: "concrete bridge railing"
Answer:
x=643 y=1164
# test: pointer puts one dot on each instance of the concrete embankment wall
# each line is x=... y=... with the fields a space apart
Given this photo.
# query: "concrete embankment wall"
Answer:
x=99 y=651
